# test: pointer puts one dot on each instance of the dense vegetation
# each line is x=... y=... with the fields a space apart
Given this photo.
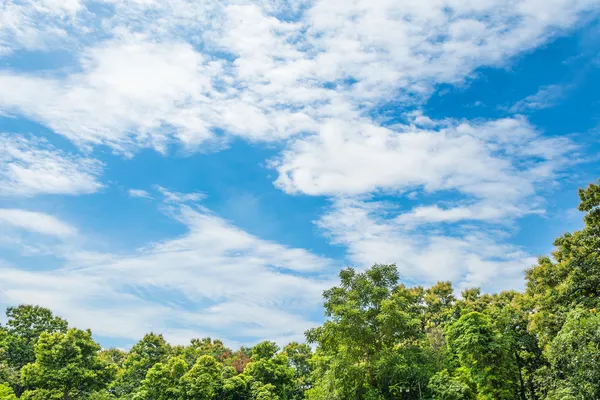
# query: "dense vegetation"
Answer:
x=381 y=340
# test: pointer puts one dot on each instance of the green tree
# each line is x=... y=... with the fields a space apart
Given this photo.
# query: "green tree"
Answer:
x=270 y=367
x=574 y=356
x=201 y=347
x=204 y=381
x=66 y=367
x=299 y=355
x=483 y=353
x=6 y=392
x=439 y=304
x=24 y=326
x=113 y=356
x=235 y=387
x=572 y=277
x=152 y=349
x=374 y=333
x=443 y=386
x=162 y=381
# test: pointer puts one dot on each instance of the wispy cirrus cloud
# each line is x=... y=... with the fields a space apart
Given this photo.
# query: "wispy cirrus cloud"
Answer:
x=546 y=97
x=466 y=255
x=139 y=193
x=36 y=222
x=30 y=166
x=37 y=25
x=215 y=280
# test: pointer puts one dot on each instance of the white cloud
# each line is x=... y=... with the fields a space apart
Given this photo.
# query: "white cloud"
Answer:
x=36 y=222
x=36 y=25
x=175 y=197
x=198 y=72
x=139 y=193
x=374 y=232
x=214 y=280
x=29 y=167
x=500 y=159
x=546 y=97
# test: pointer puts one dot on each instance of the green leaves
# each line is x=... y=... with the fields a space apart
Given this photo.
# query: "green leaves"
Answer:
x=484 y=354
x=67 y=366
x=371 y=340
x=6 y=392
x=443 y=386
x=574 y=356
x=152 y=349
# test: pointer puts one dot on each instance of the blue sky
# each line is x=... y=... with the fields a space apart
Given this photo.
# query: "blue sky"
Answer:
x=205 y=168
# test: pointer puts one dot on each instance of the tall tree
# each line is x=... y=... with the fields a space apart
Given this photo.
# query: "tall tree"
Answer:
x=372 y=323
x=67 y=367
x=205 y=380
x=572 y=277
x=25 y=324
x=574 y=356
x=162 y=381
x=268 y=366
x=152 y=349
x=482 y=353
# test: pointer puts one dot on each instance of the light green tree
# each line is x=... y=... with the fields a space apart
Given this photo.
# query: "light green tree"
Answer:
x=574 y=356
x=25 y=324
x=152 y=349
x=268 y=366
x=6 y=392
x=483 y=354
x=372 y=342
x=66 y=367
x=163 y=381
x=204 y=381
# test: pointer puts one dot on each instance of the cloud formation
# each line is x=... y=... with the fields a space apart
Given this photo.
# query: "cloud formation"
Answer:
x=215 y=279
x=197 y=72
x=545 y=97
x=36 y=222
x=309 y=76
x=30 y=166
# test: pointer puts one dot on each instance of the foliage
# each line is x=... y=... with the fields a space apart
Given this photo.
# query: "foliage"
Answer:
x=482 y=352
x=574 y=356
x=6 y=392
x=67 y=366
x=446 y=387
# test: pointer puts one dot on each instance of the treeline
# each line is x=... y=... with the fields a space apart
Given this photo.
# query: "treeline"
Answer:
x=381 y=340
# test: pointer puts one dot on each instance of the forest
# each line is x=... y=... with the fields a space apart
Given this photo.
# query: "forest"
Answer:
x=381 y=340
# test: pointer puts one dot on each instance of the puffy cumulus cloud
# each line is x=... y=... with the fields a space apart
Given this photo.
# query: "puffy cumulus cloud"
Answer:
x=500 y=159
x=374 y=231
x=214 y=280
x=197 y=71
x=134 y=92
x=35 y=222
x=30 y=167
x=488 y=173
x=132 y=86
